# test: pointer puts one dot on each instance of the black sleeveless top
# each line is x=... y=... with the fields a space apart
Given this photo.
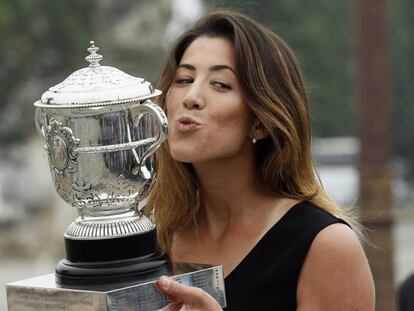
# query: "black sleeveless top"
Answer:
x=267 y=278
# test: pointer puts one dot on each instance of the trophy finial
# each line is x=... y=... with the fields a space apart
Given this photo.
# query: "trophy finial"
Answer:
x=93 y=58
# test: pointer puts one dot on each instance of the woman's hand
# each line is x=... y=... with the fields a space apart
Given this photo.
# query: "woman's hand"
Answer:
x=186 y=298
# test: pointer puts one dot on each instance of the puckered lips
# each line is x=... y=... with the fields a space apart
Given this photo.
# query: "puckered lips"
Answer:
x=186 y=124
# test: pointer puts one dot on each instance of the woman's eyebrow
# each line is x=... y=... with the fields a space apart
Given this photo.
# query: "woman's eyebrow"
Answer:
x=221 y=67
x=186 y=66
x=212 y=68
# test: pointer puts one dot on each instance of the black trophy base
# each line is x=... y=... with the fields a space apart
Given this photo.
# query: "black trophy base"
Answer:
x=105 y=275
x=106 y=263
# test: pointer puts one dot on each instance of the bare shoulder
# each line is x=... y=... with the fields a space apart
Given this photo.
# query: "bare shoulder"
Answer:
x=336 y=274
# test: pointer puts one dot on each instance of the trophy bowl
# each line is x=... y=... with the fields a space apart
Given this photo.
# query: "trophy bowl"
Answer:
x=101 y=130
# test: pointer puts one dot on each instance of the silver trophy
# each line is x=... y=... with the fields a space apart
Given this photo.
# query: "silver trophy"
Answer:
x=101 y=130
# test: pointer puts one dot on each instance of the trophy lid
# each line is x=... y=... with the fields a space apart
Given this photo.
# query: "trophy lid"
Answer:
x=96 y=86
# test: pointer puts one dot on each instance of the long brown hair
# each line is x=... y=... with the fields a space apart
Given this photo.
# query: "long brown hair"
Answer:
x=274 y=89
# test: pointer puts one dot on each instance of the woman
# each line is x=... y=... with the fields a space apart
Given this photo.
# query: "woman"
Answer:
x=236 y=182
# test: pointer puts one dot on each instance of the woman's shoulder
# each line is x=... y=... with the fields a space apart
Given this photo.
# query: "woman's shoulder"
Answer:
x=310 y=209
x=335 y=272
x=334 y=242
x=309 y=218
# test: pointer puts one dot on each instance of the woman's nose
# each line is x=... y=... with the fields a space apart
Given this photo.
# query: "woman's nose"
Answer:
x=194 y=98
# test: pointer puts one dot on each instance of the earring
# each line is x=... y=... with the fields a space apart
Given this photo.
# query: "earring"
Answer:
x=254 y=140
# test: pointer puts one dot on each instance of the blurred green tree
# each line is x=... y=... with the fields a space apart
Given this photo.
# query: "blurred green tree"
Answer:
x=39 y=39
x=403 y=80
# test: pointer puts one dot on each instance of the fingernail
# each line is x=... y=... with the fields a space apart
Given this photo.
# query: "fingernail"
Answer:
x=164 y=282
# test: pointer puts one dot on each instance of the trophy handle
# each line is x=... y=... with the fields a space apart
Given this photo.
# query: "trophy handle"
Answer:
x=149 y=107
x=41 y=123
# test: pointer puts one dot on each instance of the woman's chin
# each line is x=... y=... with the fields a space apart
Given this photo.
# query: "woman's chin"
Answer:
x=182 y=156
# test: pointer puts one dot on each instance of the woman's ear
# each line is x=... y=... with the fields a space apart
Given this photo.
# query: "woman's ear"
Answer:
x=258 y=131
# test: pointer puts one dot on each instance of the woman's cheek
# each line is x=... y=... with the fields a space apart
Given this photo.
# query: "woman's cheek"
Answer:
x=170 y=103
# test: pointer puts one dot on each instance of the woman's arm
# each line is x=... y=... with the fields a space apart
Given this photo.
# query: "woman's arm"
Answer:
x=336 y=275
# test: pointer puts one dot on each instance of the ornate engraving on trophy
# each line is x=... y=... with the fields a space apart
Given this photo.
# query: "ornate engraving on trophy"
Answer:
x=61 y=144
x=58 y=153
x=122 y=183
x=83 y=192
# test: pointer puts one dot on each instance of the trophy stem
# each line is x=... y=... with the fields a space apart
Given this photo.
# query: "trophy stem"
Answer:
x=109 y=227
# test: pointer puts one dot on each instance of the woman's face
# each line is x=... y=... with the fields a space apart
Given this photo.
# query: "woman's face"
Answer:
x=208 y=117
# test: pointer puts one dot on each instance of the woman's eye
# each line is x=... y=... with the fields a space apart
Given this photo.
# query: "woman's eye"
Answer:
x=221 y=85
x=183 y=80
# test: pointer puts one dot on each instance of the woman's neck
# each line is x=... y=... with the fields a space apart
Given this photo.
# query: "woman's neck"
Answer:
x=229 y=193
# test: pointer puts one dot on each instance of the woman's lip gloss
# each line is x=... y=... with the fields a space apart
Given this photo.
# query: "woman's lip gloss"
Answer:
x=187 y=124
x=186 y=127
